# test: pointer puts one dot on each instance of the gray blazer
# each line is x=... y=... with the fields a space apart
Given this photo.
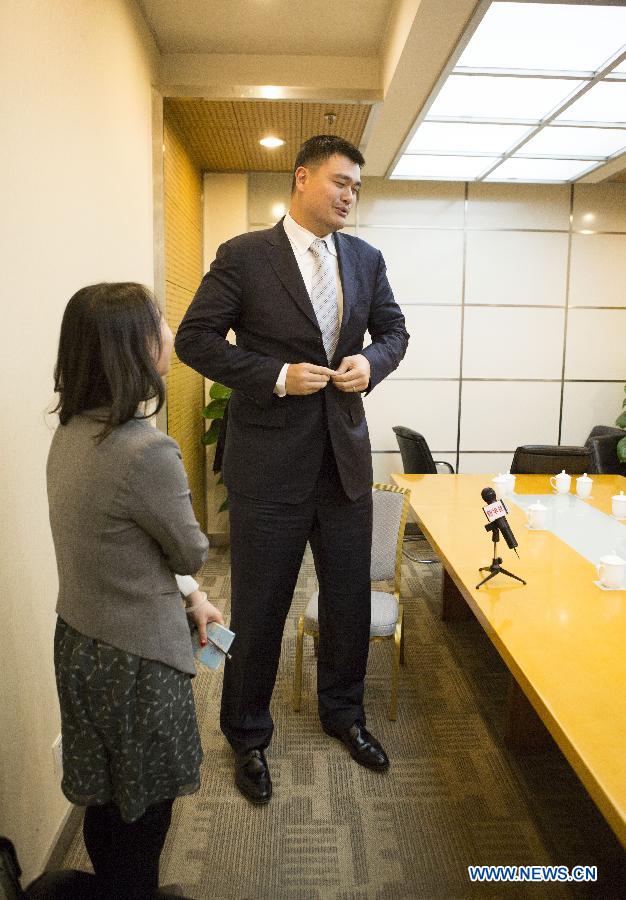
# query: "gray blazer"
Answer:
x=122 y=524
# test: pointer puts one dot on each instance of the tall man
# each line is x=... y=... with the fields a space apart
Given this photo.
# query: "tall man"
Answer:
x=297 y=460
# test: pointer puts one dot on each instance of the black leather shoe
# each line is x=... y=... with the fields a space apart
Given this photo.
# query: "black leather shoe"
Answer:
x=363 y=747
x=252 y=776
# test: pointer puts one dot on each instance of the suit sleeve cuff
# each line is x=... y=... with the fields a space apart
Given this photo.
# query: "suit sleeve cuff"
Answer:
x=280 y=389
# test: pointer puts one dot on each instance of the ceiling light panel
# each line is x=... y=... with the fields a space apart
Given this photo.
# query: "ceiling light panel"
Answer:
x=491 y=97
x=460 y=137
x=523 y=64
x=455 y=168
x=565 y=141
x=536 y=170
x=556 y=37
x=604 y=102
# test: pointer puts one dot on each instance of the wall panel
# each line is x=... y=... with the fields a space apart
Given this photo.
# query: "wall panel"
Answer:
x=183 y=272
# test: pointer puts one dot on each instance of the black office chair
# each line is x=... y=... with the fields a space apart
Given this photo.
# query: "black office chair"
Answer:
x=601 y=430
x=416 y=456
x=543 y=459
x=418 y=460
x=603 y=449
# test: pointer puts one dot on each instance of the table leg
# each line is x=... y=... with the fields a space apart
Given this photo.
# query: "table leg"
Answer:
x=524 y=729
x=454 y=607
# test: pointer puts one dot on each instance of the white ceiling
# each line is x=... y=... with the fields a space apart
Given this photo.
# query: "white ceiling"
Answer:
x=387 y=55
x=293 y=27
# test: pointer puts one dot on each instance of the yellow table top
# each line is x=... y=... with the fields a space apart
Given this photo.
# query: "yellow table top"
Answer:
x=563 y=639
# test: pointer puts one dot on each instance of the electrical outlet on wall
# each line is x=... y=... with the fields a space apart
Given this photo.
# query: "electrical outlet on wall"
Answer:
x=57 y=757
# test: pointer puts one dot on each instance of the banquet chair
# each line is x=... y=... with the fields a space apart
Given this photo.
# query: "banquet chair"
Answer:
x=390 y=510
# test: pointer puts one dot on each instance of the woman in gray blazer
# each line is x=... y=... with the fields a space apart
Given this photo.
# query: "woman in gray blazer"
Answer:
x=122 y=525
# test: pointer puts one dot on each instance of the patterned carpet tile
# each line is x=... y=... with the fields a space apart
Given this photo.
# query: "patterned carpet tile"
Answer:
x=454 y=795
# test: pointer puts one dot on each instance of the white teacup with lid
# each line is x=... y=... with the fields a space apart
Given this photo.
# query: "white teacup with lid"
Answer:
x=611 y=570
x=504 y=484
x=618 y=505
x=561 y=482
x=583 y=486
x=537 y=515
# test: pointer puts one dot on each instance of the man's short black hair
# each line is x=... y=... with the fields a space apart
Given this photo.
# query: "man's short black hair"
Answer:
x=320 y=148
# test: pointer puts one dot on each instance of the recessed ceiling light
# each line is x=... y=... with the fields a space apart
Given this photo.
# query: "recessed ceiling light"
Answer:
x=271 y=142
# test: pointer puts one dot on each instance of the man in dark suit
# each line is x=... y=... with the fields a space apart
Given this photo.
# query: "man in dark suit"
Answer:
x=297 y=459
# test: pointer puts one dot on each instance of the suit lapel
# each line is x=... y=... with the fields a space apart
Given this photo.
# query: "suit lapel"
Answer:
x=284 y=264
x=347 y=273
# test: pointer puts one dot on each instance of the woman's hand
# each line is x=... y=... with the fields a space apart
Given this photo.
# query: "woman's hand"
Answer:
x=201 y=612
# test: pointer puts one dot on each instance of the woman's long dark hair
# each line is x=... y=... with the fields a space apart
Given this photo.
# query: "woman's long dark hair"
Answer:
x=108 y=350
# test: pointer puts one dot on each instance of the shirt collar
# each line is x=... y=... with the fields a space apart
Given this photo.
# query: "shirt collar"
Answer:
x=301 y=239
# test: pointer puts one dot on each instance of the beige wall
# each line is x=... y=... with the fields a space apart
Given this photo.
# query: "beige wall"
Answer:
x=76 y=208
x=517 y=317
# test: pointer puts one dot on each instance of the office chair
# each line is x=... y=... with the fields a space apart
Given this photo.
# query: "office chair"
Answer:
x=416 y=456
x=391 y=507
x=418 y=460
x=544 y=459
x=603 y=449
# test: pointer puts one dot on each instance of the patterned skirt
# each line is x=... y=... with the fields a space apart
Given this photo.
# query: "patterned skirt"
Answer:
x=128 y=724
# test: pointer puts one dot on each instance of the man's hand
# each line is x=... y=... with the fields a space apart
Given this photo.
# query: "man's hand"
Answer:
x=353 y=373
x=305 y=378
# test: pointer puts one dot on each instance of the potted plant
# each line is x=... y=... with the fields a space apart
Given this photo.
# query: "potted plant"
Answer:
x=215 y=411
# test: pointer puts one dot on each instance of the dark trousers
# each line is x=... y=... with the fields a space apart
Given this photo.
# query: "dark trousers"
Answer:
x=268 y=541
x=125 y=855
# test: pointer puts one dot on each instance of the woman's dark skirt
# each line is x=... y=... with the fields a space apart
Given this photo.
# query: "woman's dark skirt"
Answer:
x=129 y=726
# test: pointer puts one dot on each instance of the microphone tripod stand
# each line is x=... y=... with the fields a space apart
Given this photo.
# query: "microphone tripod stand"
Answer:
x=496 y=564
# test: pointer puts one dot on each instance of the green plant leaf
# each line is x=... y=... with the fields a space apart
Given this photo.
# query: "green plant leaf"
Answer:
x=215 y=409
x=621 y=421
x=219 y=391
x=210 y=436
x=224 y=506
x=621 y=450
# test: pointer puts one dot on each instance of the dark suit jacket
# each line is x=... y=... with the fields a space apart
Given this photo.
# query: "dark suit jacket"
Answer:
x=274 y=445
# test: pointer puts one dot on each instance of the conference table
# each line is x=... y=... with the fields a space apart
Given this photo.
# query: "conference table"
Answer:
x=562 y=637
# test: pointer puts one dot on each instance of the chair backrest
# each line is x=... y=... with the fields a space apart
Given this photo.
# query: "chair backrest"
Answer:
x=604 y=453
x=391 y=508
x=599 y=430
x=539 y=459
x=416 y=456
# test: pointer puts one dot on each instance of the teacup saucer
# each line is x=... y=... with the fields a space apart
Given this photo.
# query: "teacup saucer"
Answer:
x=532 y=527
x=590 y=497
x=618 y=518
x=603 y=587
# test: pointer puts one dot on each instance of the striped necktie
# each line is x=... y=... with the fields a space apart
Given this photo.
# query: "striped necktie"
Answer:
x=324 y=296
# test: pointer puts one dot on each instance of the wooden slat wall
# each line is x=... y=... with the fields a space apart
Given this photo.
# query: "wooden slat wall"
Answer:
x=183 y=271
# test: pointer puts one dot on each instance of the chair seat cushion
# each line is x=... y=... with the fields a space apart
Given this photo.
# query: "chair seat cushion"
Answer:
x=384 y=614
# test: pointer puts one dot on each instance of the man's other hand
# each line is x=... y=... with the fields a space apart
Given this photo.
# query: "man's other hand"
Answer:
x=305 y=378
x=353 y=374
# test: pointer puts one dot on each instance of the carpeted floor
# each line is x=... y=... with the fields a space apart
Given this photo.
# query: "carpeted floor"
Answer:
x=454 y=795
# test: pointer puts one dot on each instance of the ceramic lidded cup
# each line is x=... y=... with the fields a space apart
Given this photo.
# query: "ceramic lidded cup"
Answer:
x=537 y=515
x=583 y=486
x=504 y=484
x=561 y=482
x=611 y=570
x=618 y=505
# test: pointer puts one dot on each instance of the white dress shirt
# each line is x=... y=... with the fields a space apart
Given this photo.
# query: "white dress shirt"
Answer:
x=301 y=240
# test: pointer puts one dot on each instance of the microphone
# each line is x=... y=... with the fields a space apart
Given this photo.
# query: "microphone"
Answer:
x=499 y=521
